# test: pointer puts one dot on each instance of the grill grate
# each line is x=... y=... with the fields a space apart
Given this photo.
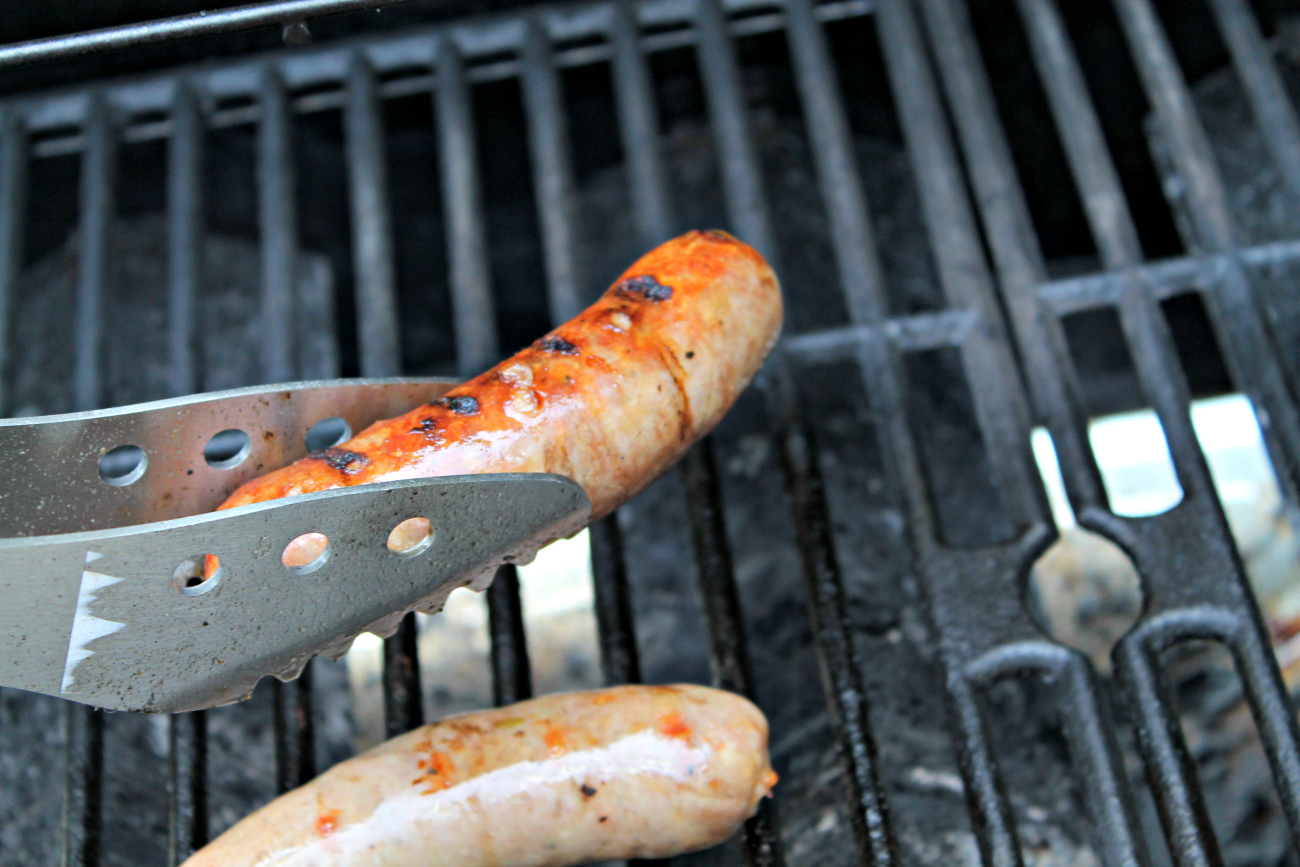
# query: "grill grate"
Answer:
x=1020 y=372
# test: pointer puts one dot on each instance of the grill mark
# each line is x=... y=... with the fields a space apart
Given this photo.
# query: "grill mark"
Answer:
x=646 y=287
x=556 y=343
x=463 y=405
x=343 y=460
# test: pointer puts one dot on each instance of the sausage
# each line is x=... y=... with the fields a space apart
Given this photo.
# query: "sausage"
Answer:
x=627 y=772
x=610 y=399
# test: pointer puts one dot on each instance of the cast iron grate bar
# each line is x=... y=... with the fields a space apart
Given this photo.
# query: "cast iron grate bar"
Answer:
x=991 y=647
x=1199 y=520
x=294 y=732
x=1253 y=361
x=639 y=128
x=377 y=334
x=372 y=236
x=828 y=613
x=13 y=206
x=83 y=726
x=1263 y=86
x=512 y=674
x=1254 y=356
x=83 y=792
x=316 y=71
x=619 y=661
x=471 y=290
x=187 y=741
x=403 y=701
x=548 y=145
x=97 y=175
x=747 y=211
x=728 y=655
x=185 y=234
x=278 y=222
x=187 y=802
x=742 y=182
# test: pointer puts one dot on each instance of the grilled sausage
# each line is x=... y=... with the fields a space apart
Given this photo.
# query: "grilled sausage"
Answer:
x=611 y=399
x=628 y=772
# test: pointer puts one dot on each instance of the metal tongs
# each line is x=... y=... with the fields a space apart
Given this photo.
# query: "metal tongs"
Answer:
x=104 y=595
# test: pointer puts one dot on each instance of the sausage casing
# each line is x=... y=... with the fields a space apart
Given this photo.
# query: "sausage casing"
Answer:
x=626 y=772
x=610 y=399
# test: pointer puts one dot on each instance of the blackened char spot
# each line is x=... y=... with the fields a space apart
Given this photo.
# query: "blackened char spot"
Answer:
x=603 y=818
x=716 y=235
x=587 y=791
x=645 y=286
x=344 y=460
x=463 y=405
x=426 y=425
x=555 y=343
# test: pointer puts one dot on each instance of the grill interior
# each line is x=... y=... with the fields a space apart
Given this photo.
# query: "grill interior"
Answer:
x=988 y=218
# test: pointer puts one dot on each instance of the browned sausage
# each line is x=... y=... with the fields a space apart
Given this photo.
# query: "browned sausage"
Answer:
x=610 y=399
x=628 y=772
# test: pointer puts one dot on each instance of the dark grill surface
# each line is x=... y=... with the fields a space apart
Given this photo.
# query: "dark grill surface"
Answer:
x=426 y=201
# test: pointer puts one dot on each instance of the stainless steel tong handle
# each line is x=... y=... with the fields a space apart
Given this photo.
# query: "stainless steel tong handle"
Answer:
x=107 y=592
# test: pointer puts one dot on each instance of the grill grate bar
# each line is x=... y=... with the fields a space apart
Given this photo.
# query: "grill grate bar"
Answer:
x=1013 y=244
x=13 y=206
x=841 y=187
x=1198 y=522
x=278 y=222
x=185 y=225
x=146 y=130
x=403 y=702
x=970 y=628
x=377 y=335
x=477 y=345
x=979 y=644
x=727 y=651
x=1117 y=239
x=1166 y=279
x=747 y=212
x=187 y=804
x=548 y=143
x=619 y=662
x=859 y=271
x=963 y=272
x=83 y=726
x=372 y=236
x=83 y=792
x=294 y=734
x=1262 y=85
x=512 y=676
x=828 y=613
x=97 y=172
x=1251 y=353
x=639 y=128
x=742 y=183
x=1081 y=135
x=471 y=293
x=187 y=813
x=728 y=655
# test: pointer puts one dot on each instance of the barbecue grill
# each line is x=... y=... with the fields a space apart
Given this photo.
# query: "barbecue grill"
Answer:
x=942 y=304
